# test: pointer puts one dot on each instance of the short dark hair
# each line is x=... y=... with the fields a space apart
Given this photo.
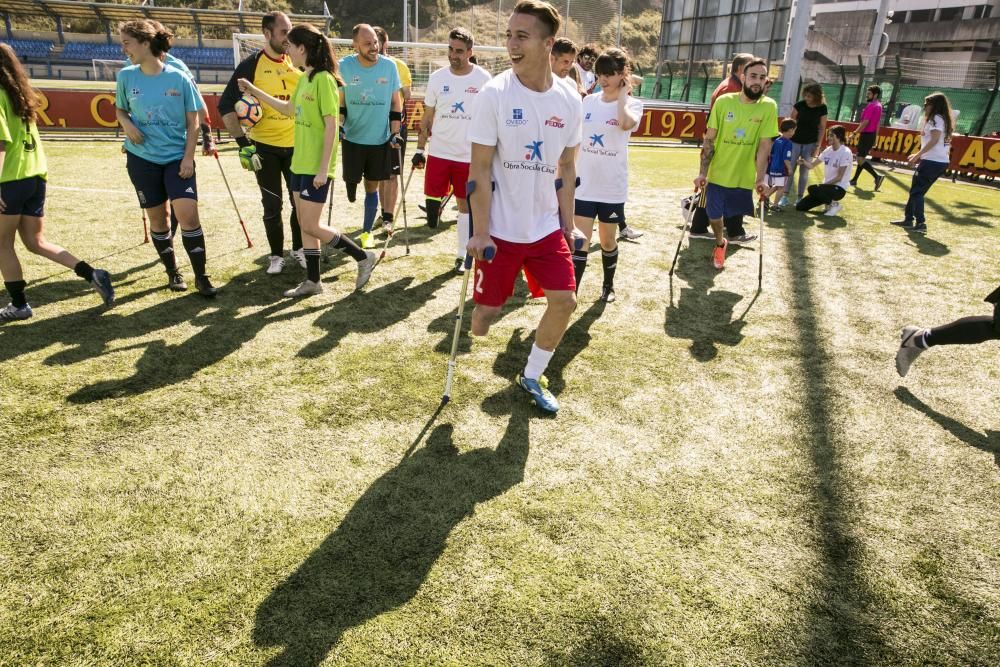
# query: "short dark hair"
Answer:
x=875 y=90
x=588 y=50
x=563 y=46
x=268 y=20
x=838 y=131
x=383 y=36
x=740 y=60
x=612 y=61
x=543 y=11
x=462 y=35
x=787 y=124
x=754 y=62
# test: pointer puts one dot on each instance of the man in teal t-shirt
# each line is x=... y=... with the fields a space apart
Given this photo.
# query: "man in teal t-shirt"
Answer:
x=373 y=109
x=734 y=156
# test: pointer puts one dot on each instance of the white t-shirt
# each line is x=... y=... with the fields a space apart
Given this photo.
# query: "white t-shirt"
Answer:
x=940 y=152
x=834 y=160
x=530 y=131
x=603 y=161
x=587 y=78
x=451 y=95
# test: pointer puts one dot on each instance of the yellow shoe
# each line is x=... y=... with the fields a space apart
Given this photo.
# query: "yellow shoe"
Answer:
x=367 y=241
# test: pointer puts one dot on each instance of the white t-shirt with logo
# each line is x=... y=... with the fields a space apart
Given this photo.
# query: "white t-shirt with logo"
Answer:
x=587 y=77
x=834 y=160
x=602 y=165
x=451 y=95
x=530 y=131
x=940 y=152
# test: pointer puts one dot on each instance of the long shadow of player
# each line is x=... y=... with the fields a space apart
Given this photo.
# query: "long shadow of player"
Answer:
x=575 y=340
x=224 y=332
x=380 y=554
x=988 y=442
x=46 y=291
x=376 y=311
x=702 y=315
x=446 y=323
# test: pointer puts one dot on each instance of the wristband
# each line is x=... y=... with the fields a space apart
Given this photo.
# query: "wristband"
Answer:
x=242 y=141
x=396 y=115
x=343 y=111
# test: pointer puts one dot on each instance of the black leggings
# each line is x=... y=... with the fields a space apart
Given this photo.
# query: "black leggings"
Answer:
x=827 y=193
x=276 y=166
x=966 y=331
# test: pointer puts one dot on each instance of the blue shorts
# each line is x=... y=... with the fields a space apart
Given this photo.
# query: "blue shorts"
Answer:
x=727 y=202
x=25 y=196
x=302 y=185
x=155 y=183
x=613 y=213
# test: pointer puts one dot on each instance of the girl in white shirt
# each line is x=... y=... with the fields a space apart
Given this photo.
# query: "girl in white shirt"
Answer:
x=837 y=160
x=932 y=159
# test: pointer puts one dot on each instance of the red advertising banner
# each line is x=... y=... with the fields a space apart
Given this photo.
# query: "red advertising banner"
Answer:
x=92 y=110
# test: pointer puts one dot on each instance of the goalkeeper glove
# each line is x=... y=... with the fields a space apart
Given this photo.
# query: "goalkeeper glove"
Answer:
x=249 y=159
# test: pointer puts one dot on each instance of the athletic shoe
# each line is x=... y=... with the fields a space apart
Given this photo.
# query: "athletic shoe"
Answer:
x=608 y=294
x=365 y=268
x=833 y=208
x=10 y=313
x=702 y=235
x=798 y=200
x=878 y=182
x=783 y=202
x=630 y=234
x=902 y=223
x=719 y=255
x=541 y=396
x=102 y=283
x=205 y=287
x=909 y=350
x=853 y=182
x=919 y=228
x=299 y=256
x=275 y=265
x=743 y=238
x=367 y=240
x=305 y=288
x=175 y=281
x=459 y=265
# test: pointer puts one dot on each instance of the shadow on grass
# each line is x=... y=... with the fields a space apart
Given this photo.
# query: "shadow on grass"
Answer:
x=445 y=324
x=43 y=293
x=988 y=442
x=575 y=340
x=927 y=246
x=381 y=553
x=703 y=316
x=841 y=630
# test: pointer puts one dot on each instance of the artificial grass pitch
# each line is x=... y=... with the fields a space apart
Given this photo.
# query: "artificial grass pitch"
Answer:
x=730 y=480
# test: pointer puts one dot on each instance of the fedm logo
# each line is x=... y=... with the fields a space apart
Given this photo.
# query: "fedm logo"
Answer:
x=613 y=122
x=555 y=121
x=470 y=89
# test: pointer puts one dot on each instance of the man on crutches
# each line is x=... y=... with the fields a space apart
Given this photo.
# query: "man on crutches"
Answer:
x=741 y=127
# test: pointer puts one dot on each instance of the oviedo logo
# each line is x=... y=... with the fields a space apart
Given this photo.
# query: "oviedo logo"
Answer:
x=555 y=121
x=516 y=118
x=445 y=89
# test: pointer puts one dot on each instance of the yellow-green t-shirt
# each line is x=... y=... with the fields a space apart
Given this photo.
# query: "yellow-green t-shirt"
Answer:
x=314 y=100
x=740 y=128
x=23 y=154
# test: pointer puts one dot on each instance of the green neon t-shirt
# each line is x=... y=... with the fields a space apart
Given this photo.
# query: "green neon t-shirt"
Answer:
x=313 y=100
x=740 y=128
x=23 y=154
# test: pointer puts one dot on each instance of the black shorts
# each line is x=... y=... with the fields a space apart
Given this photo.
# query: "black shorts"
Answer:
x=396 y=153
x=866 y=143
x=613 y=213
x=155 y=183
x=25 y=196
x=302 y=185
x=366 y=161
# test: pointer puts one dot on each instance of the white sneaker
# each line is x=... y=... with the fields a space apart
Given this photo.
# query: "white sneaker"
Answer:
x=10 y=312
x=275 y=265
x=305 y=288
x=908 y=349
x=365 y=268
x=630 y=234
x=299 y=256
x=832 y=209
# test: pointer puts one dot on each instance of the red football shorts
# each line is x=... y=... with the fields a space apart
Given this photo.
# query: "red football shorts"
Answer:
x=440 y=173
x=548 y=260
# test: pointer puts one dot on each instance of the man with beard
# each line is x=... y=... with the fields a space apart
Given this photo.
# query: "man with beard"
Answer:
x=741 y=127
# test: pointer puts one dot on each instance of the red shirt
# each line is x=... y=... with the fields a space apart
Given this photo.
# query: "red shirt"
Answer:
x=728 y=85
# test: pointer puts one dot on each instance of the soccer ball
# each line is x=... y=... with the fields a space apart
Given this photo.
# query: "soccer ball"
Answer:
x=248 y=111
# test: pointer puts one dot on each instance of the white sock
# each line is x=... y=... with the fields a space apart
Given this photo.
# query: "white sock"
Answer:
x=537 y=362
x=463 y=234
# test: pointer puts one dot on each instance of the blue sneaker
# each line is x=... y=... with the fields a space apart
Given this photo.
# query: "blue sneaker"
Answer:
x=102 y=283
x=10 y=312
x=541 y=396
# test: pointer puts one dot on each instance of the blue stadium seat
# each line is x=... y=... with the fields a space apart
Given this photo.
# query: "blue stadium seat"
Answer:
x=91 y=51
x=30 y=48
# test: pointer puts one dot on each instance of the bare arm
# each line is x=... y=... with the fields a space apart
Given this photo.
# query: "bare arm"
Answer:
x=567 y=193
x=763 y=155
x=284 y=107
x=233 y=126
x=426 y=123
x=707 y=153
x=397 y=106
x=131 y=131
x=481 y=199
x=822 y=135
x=187 y=162
x=329 y=136
x=627 y=118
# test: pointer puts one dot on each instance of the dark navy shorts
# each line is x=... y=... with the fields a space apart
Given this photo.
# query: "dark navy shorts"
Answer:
x=866 y=143
x=722 y=202
x=302 y=185
x=373 y=163
x=25 y=196
x=613 y=213
x=156 y=183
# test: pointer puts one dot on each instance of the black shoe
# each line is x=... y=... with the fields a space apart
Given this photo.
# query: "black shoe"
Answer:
x=854 y=182
x=918 y=228
x=608 y=294
x=459 y=266
x=878 y=182
x=902 y=223
x=175 y=281
x=205 y=287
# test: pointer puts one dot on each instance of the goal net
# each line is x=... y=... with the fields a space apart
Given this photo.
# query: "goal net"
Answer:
x=107 y=70
x=422 y=58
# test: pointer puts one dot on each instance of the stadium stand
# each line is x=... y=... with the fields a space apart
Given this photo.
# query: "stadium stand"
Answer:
x=89 y=51
x=30 y=48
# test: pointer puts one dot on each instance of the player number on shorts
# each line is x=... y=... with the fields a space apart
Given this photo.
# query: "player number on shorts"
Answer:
x=479 y=281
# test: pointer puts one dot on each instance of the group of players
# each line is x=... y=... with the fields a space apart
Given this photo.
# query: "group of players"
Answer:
x=532 y=156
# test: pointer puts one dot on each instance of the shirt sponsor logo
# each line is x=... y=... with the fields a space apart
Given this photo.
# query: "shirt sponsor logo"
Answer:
x=458 y=106
x=471 y=89
x=730 y=116
x=516 y=118
x=596 y=140
x=587 y=117
x=445 y=89
x=382 y=80
x=355 y=80
x=135 y=92
x=555 y=121
x=534 y=151
x=613 y=122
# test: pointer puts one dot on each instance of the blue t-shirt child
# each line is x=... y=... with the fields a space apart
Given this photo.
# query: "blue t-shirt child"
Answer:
x=781 y=150
x=368 y=98
x=158 y=106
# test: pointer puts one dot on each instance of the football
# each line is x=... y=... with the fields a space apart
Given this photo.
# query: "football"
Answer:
x=248 y=111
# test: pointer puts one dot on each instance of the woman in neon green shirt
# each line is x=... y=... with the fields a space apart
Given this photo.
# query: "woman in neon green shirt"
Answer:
x=22 y=192
x=315 y=104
